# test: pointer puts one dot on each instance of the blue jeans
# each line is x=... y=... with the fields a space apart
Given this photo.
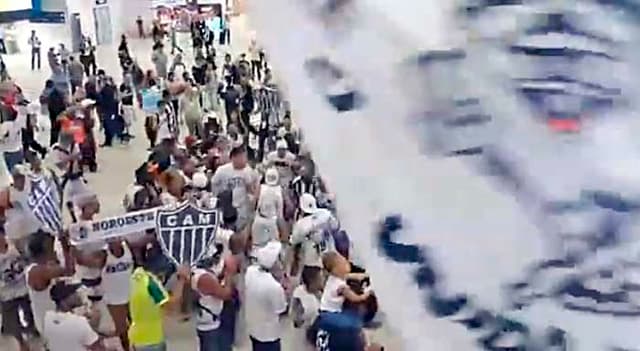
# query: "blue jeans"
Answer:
x=339 y=321
x=12 y=159
x=215 y=340
x=156 y=347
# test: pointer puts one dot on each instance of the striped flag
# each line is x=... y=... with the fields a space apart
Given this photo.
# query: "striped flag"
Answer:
x=44 y=202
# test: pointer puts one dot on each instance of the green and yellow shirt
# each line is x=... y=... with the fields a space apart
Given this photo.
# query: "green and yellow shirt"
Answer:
x=146 y=297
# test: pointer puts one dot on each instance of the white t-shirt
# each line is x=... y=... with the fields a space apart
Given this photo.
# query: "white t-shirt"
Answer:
x=116 y=277
x=11 y=133
x=265 y=301
x=270 y=202
x=13 y=281
x=164 y=129
x=283 y=165
x=264 y=230
x=210 y=307
x=254 y=52
x=239 y=181
x=310 y=306
x=332 y=300
x=56 y=156
x=65 y=331
x=311 y=233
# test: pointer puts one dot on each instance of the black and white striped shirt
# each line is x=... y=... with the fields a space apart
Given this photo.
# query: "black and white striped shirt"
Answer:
x=301 y=186
x=172 y=118
x=269 y=102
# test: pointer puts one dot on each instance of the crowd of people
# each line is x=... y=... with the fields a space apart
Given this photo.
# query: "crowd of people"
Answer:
x=221 y=136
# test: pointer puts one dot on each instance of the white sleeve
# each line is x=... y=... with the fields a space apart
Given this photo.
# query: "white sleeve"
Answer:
x=4 y=131
x=280 y=204
x=89 y=335
x=216 y=183
x=279 y=299
x=298 y=233
x=21 y=121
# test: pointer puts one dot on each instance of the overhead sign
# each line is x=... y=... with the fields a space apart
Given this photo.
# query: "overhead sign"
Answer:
x=168 y=3
x=15 y=5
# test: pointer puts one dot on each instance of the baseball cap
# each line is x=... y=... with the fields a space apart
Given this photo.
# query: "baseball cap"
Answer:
x=62 y=290
x=87 y=102
x=282 y=144
x=271 y=177
x=268 y=254
x=200 y=180
x=308 y=203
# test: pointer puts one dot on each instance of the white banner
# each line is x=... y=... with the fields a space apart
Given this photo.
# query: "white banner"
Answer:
x=528 y=244
x=113 y=227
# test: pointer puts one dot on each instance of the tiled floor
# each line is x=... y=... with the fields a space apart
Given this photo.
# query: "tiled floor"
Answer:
x=117 y=165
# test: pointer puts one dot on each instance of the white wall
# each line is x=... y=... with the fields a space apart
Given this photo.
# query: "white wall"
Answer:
x=85 y=9
x=49 y=34
x=54 y=5
x=124 y=14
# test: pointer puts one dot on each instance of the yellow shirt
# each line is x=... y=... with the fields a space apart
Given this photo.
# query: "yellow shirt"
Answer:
x=147 y=295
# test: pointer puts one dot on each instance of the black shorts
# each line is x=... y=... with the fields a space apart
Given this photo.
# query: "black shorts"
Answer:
x=10 y=310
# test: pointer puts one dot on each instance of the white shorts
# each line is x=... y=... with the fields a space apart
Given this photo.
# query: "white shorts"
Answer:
x=74 y=188
x=128 y=115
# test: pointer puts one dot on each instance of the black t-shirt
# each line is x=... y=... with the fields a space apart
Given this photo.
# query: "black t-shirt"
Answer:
x=231 y=97
x=127 y=94
x=56 y=103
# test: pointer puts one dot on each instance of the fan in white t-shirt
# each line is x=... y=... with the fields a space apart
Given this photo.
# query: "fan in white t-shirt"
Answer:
x=336 y=289
x=305 y=306
x=310 y=236
x=265 y=299
x=270 y=199
x=65 y=330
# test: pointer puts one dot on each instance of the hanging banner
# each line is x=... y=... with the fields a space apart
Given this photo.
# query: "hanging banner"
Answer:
x=184 y=231
x=497 y=233
x=114 y=227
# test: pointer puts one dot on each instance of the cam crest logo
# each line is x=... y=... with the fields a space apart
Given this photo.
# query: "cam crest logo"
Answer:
x=186 y=232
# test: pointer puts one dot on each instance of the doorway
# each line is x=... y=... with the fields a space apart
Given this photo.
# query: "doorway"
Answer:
x=102 y=17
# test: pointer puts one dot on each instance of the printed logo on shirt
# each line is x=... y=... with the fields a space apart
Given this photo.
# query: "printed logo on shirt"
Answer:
x=118 y=267
x=13 y=271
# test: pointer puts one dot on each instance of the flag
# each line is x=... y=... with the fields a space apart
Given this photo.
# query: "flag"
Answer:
x=44 y=202
x=186 y=232
x=500 y=249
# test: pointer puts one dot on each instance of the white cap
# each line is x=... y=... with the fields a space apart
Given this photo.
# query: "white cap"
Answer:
x=87 y=102
x=282 y=144
x=212 y=115
x=33 y=108
x=199 y=180
x=268 y=255
x=271 y=177
x=308 y=203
